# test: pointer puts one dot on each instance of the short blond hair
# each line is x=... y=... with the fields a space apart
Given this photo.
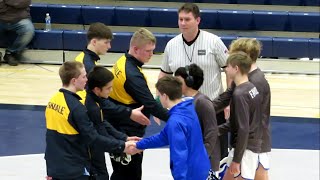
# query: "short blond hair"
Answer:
x=142 y=37
x=251 y=46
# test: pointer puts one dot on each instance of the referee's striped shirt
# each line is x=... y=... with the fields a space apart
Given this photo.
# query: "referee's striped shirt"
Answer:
x=208 y=52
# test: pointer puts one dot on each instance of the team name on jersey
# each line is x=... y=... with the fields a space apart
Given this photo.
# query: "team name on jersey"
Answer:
x=253 y=92
x=117 y=71
x=56 y=107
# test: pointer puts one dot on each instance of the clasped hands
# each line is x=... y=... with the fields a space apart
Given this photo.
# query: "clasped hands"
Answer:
x=130 y=145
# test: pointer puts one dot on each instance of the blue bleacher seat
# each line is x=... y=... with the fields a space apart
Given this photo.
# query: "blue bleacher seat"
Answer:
x=270 y=20
x=191 y=1
x=209 y=18
x=290 y=47
x=216 y=1
x=314 y=48
x=65 y=14
x=162 y=40
x=103 y=14
x=227 y=40
x=74 y=40
x=259 y=2
x=266 y=46
x=312 y=2
x=163 y=17
x=38 y=12
x=121 y=42
x=286 y=2
x=47 y=40
x=305 y=21
x=131 y=16
x=235 y=19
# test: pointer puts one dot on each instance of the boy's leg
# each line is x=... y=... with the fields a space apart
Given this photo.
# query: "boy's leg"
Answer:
x=261 y=173
x=249 y=165
x=264 y=166
x=228 y=175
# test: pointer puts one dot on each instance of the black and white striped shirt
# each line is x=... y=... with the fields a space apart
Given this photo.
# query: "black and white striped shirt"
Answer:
x=208 y=52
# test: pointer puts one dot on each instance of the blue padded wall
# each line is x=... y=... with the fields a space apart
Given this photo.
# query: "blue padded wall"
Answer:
x=47 y=40
x=74 y=40
x=103 y=14
x=65 y=14
x=290 y=47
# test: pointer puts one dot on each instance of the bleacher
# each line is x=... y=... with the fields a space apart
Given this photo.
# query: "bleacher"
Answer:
x=250 y=21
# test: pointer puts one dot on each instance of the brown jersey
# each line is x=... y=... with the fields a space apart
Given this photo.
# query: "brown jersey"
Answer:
x=208 y=123
x=245 y=120
x=258 y=79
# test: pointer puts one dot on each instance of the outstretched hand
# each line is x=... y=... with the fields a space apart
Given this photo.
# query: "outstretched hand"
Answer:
x=134 y=138
x=139 y=117
x=131 y=148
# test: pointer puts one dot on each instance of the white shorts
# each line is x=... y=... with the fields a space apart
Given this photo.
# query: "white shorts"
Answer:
x=249 y=164
x=264 y=160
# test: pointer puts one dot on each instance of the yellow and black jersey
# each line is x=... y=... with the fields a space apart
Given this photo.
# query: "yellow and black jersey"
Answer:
x=93 y=104
x=69 y=132
x=130 y=88
x=88 y=58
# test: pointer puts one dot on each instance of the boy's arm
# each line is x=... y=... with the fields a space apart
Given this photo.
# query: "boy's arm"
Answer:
x=242 y=118
x=115 y=133
x=111 y=109
x=224 y=128
x=223 y=100
x=137 y=87
x=208 y=121
x=155 y=141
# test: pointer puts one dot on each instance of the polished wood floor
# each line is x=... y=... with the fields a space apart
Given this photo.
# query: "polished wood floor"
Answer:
x=292 y=95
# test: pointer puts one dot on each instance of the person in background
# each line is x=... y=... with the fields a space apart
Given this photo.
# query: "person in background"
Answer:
x=15 y=17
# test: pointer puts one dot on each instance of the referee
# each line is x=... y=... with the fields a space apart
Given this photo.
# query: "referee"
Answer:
x=202 y=48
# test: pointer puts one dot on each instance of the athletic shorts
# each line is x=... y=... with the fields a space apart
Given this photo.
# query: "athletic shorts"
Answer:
x=249 y=164
x=264 y=160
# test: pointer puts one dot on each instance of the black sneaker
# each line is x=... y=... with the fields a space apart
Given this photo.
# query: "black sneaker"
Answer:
x=10 y=59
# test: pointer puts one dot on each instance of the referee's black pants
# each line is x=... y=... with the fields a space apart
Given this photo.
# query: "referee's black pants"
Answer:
x=132 y=171
x=223 y=138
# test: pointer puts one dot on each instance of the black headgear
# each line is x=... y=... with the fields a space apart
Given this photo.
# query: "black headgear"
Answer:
x=189 y=79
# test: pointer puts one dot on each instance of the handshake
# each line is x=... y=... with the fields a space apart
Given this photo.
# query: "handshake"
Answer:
x=130 y=145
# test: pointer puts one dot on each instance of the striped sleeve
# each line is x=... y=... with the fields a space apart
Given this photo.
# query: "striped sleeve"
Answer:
x=165 y=62
x=221 y=52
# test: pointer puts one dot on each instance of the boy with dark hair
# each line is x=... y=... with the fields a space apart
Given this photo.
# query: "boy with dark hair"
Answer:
x=69 y=130
x=99 y=38
x=192 y=79
x=245 y=120
x=99 y=87
x=188 y=157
